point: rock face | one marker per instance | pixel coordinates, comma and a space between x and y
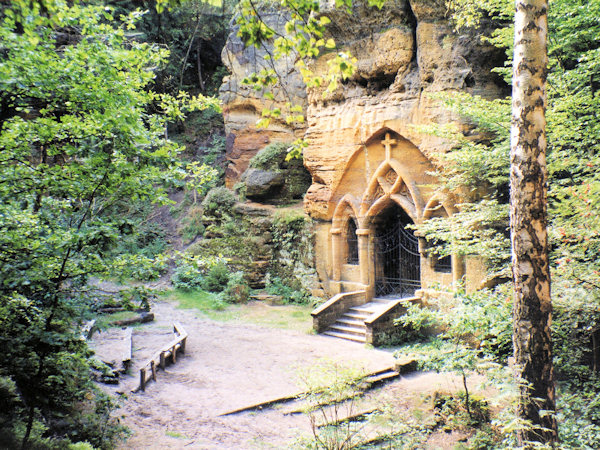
271, 179
365, 150
405, 52
242, 106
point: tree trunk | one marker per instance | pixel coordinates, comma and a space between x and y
531, 273
199, 65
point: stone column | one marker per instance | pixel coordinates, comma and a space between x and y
363, 254
336, 258
458, 269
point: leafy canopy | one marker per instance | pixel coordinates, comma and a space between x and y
80, 136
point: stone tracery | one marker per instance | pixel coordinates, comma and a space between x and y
393, 182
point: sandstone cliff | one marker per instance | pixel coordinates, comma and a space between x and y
242, 105
405, 51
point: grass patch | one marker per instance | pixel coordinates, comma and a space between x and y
175, 434
290, 317
208, 303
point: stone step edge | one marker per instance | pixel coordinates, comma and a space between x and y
347, 329
348, 337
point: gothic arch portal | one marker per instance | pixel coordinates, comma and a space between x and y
387, 175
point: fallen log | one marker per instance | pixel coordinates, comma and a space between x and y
144, 317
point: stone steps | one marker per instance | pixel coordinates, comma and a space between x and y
351, 325
358, 330
348, 337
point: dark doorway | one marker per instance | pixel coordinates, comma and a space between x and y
352, 241
397, 258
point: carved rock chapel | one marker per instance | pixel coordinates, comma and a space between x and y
372, 169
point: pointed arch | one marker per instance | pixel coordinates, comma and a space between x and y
347, 206
436, 202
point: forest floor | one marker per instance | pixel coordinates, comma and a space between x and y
240, 357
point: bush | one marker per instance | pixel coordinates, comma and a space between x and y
237, 289
187, 277
137, 297
192, 225
217, 278
276, 286
218, 201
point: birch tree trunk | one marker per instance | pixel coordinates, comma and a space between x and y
528, 186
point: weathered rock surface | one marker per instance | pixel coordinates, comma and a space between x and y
242, 106
365, 148
262, 183
405, 51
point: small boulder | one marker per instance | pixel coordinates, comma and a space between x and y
262, 183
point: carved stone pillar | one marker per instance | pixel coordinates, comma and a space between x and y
458, 269
363, 254
336, 254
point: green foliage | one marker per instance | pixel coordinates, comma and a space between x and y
187, 277
575, 318
194, 33
193, 225
81, 136
236, 290
452, 413
304, 39
216, 278
206, 302
579, 418
331, 389
276, 158
219, 201
136, 297
477, 172
200, 178
476, 337
292, 251
201, 272
276, 286
271, 157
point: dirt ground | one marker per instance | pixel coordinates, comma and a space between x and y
230, 365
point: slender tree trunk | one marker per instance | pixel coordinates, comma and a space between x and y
528, 183
199, 65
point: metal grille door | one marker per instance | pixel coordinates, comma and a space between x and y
398, 262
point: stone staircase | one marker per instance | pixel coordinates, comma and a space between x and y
351, 324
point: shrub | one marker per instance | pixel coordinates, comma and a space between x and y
192, 225
216, 278
271, 157
218, 201
137, 297
237, 289
187, 277
240, 190
276, 286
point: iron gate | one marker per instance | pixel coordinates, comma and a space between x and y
398, 262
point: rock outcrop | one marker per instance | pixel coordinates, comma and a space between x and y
242, 105
405, 51
365, 151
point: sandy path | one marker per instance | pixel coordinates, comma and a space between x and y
227, 365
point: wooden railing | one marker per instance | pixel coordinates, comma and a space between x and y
161, 357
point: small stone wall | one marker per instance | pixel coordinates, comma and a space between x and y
384, 322
328, 312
